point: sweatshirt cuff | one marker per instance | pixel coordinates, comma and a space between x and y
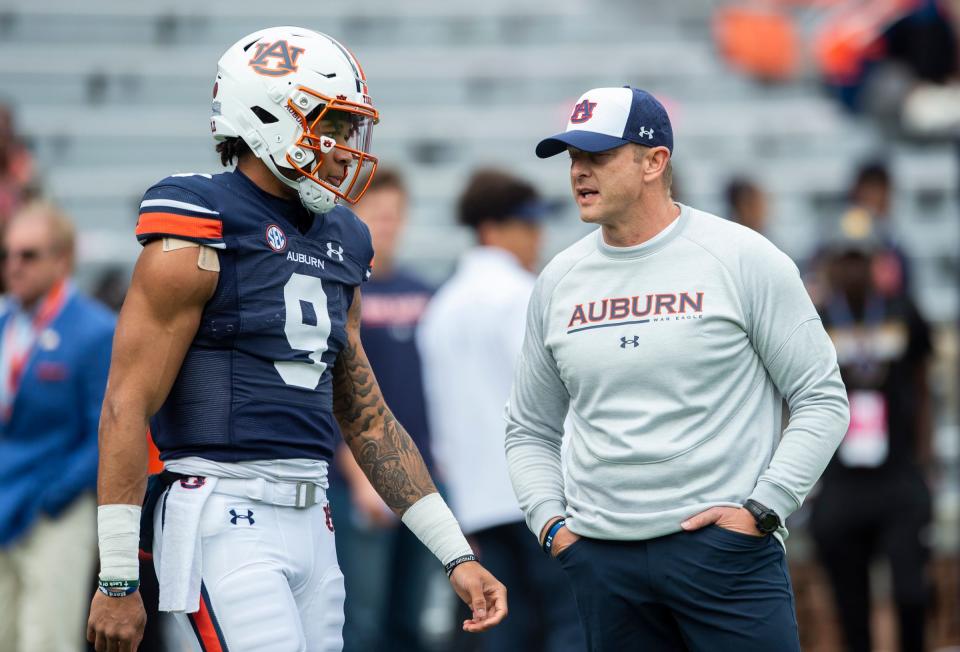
539, 515
770, 495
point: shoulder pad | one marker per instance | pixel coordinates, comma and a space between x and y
182, 206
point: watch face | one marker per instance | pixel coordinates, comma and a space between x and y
768, 523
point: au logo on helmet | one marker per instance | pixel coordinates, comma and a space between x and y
583, 111
280, 52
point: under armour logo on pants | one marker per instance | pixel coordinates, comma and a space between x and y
235, 516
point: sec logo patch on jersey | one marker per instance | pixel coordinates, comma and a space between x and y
276, 238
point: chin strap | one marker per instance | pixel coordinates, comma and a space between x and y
316, 198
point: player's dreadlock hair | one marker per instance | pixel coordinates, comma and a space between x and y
232, 148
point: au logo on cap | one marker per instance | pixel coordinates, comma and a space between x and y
583, 111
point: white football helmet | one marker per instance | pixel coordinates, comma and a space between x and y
274, 86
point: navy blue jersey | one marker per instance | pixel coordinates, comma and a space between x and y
256, 382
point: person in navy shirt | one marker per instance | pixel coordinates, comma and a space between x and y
54, 354
385, 569
239, 342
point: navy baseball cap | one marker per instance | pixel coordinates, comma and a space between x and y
604, 118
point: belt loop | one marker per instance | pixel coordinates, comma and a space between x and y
256, 488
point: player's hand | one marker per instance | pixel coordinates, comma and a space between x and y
563, 539
368, 502
737, 519
116, 624
483, 593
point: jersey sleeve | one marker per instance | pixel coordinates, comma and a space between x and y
367, 256
357, 233
180, 207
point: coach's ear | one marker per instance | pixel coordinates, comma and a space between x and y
654, 162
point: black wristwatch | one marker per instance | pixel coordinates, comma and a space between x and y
767, 519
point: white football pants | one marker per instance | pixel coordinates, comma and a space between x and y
270, 580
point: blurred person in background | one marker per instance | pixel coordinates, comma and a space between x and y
385, 568
470, 338
896, 61
16, 167
111, 286
747, 203
16, 171
869, 216
53, 370
874, 501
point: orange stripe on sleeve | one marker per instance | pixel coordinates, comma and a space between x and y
173, 224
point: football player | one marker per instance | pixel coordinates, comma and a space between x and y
239, 342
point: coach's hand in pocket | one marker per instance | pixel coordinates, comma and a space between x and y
729, 518
116, 624
563, 540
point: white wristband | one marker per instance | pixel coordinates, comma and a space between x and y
434, 524
118, 528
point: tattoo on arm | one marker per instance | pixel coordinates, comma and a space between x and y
381, 446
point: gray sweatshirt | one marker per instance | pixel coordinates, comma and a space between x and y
672, 357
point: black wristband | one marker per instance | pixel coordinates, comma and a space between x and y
456, 562
117, 588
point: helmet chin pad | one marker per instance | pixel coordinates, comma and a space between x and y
315, 197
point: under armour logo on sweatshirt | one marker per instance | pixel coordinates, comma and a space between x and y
635, 342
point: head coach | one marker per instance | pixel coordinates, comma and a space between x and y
670, 335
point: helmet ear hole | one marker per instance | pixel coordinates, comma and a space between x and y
265, 116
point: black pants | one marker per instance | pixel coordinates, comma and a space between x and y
711, 590
859, 516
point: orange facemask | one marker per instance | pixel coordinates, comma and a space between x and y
359, 171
